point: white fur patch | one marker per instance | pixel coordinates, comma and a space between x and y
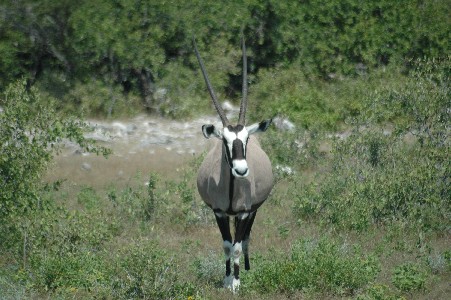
229, 135
232, 283
220, 214
240, 165
243, 135
252, 128
243, 215
228, 281
235, 285
237, 250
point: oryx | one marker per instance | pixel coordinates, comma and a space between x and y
235, 177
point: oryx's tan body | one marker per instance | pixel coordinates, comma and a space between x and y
214, 180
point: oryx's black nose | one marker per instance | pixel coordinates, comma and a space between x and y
242, 173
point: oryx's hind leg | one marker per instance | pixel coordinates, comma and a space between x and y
247, 234
224, 227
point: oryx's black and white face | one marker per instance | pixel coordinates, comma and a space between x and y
235, 140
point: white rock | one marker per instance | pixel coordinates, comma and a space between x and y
283, 124
85, 166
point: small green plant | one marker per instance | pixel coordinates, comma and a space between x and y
134, 201
88, 198
379, 292
189, 209
409, 277
209, 269
150, 203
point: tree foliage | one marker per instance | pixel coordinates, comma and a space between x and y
30, 132
136, 46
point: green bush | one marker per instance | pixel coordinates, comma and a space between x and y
68, 253
88, 198
182, 201
97, 98
394, 165
409, 277
285, 92
379, 292
145, 271
352, 37
136, 202
30, 133
62, 272
297, 149
209, 268
318, 266
63, 250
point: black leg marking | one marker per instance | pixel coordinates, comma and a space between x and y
236, 271
247, 265
240, 228
241, 224
224, 226
246, 241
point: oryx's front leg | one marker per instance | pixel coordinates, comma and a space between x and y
242, 222
224, 226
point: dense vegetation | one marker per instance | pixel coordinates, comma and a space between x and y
123, 56
362, 213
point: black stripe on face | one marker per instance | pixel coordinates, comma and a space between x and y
238, 150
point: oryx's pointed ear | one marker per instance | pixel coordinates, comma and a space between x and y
259, 127
210, 130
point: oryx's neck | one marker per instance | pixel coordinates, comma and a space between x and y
227, 178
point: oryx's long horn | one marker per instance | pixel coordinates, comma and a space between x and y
243, 106
222, 115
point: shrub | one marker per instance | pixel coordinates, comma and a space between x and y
30, 133
59, 272
62, 250
209, 268
390, 171
409, 277
320, 266
136, 202
379, 292
88, 198
98, 98
145, 271
286, 92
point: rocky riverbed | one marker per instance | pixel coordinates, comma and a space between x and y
140, 145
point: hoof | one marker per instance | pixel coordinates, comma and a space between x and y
232, 283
